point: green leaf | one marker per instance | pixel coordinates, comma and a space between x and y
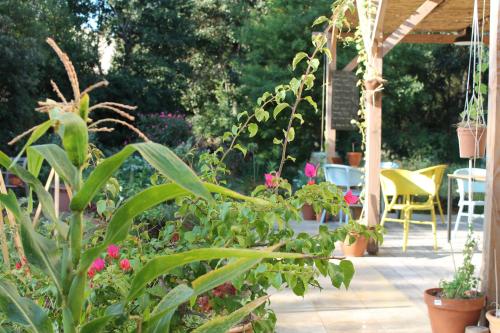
40, 251
261, 115
37, 134
310, 100
84, 107
294, 85
299, 117
22, 310
159, 321
277, 141
158, 156
224, 323
252, 129
172, 167
309, 81
119, 224
320, 20
290, 135
298, 58
348, 270
241, 148
280, 107
44, 197
241, 114
328, 53
98, 324
314, 63
234, 129
75, 138
163, 264
58, 159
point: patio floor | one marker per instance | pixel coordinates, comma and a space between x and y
386, 294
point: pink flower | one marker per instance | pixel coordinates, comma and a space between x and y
91, 273
270, 180
310, 170
19, 265
98, 264
162, 115
125, 265
114, 251
350, 198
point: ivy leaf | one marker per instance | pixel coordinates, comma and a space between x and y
291, 158
226, 136
299, 116
280, 107
298, 58
320, 20
277, 141
252, 129
310, 100
241, 148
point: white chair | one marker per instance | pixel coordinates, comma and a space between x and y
345, 177
463, 191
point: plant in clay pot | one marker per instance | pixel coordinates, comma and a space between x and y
456, 304
354, 157
357, 236
310, 171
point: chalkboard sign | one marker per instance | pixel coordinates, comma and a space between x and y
345, 100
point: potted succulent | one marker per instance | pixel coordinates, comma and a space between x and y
354, 157
456, 304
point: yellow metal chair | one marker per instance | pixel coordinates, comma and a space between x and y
436, 173
406, 184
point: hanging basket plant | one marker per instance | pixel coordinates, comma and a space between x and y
471, 130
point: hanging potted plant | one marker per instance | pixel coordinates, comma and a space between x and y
471, 130
456, 304
354, 157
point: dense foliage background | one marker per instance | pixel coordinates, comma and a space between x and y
201, 62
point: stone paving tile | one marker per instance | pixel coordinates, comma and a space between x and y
386, 293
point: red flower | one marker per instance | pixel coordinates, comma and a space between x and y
91, 273
114, 251
175, 237
311, 182
271, 180
98, 264
350, 198
204, 303
224, 289
125, 265
19, 265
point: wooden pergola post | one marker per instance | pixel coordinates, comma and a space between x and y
330, 133
492, 204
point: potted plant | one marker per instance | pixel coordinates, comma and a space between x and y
357, 236
310, 171
354, 157
493, 317
456, 304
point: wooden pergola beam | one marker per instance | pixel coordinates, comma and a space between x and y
402, 31
492, 198
330, 133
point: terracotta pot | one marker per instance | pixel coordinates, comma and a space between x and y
452, 315
354, 158
467, 138
356, 249
243, 328
15, 181
336, 160
356, 212
494, 321
308, 212
63, 199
